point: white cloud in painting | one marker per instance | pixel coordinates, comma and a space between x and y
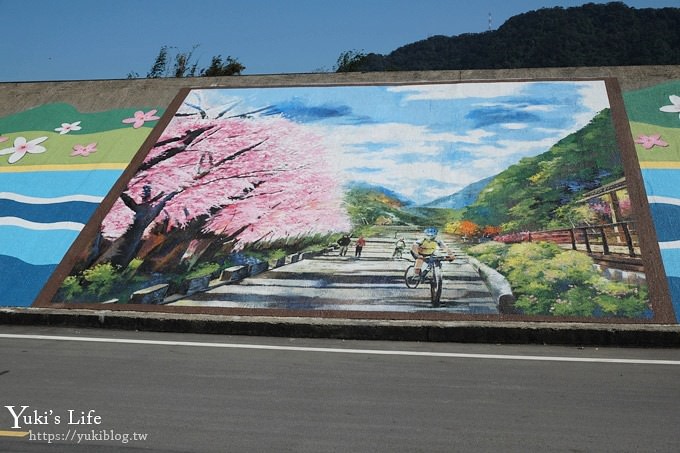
408, 134
510, 151
213, 104
460, 134
594, 95
514, 126
407, 158
419, 181
539, 108
459, 91
594, 99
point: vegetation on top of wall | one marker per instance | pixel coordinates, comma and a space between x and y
611, 34
171, 62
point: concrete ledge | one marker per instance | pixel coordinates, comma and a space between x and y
197, 284
234, 273
254, 269
151, 295
579, 334
294, 258
498, 286
276, 262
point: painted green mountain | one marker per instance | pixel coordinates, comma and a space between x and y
48, 117
527, 195
371, 205
642, 106
461, 199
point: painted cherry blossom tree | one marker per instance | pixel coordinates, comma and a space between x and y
243, 179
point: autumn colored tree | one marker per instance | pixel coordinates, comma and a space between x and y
452, 227
491, 231
468, 228
245, 179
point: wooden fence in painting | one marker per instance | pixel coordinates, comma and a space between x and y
613, 245
610, 239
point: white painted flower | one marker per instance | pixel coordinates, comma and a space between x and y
675, 105
68, 127
21, 147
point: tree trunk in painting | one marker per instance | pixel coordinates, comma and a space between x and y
125, 248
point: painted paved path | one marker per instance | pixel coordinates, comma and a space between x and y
373, 282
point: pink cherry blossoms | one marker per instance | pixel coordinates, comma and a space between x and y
252, 179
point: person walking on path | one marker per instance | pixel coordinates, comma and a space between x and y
343, 242
361, 242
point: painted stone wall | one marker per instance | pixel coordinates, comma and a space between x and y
62, 157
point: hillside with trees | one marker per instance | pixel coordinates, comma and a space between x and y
539, 192
611, 34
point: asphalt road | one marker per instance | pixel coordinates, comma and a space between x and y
202, 393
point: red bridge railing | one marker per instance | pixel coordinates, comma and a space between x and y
615, 238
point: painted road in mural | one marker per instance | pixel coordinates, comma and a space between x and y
372, 282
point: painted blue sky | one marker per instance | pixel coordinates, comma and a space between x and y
85, 39
424, 141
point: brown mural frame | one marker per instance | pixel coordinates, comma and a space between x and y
659, 293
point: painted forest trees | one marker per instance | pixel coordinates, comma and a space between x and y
236, 180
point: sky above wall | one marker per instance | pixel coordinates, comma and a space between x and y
46, 40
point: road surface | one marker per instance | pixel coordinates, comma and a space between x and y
210, 393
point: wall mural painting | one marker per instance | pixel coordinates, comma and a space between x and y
654, 115
312, 199
56, 165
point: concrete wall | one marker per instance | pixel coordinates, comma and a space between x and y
92, 97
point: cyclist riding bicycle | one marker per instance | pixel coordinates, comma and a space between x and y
399, 248
427, 246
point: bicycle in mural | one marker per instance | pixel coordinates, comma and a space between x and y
431, 273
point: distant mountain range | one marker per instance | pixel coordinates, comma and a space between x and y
397, 199
539, 192
458, 200
611, 34
461, 199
